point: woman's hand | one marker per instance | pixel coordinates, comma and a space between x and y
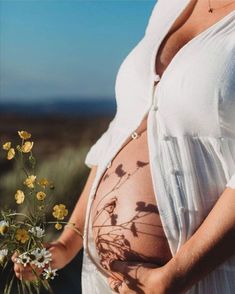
30, 272
141, 278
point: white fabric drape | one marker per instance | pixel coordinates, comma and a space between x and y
191, 134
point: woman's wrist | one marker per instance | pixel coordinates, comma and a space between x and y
71, 242
171, 278
73, 227
162, 279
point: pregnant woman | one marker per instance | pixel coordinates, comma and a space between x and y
157, 211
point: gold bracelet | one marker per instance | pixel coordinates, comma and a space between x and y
74, 228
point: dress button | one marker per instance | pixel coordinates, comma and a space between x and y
134, 135
156, 78
109, 164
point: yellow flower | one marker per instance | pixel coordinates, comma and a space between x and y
27, 147
44, 183
19, 197
58, 226
11, 154
22, 235
41, 196
60, 211
6, 146
24, 135
29, 182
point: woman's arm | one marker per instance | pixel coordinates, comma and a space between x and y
69, 238
211, 244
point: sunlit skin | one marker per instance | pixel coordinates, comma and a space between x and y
125, 219
211, 244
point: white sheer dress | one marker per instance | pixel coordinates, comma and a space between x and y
191, 134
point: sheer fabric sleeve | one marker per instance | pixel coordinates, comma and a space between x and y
96, 151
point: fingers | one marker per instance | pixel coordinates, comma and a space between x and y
14, 256
120, 267
24, 273
126, 269
129, 268
121, 287
133, 275
28, 272
115, 285
21, 272
47, 245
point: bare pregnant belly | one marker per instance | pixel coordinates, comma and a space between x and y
125, 219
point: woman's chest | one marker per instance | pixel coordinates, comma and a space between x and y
193, 21
197, 78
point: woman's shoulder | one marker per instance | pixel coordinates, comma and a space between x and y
162, 9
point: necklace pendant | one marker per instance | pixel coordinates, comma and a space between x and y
210, 10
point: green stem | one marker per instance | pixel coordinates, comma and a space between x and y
20, 214
55, 222
23, 223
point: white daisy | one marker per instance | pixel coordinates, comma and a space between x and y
49, 274
4, 226
37, 232
42, 257
3, 255
23, 259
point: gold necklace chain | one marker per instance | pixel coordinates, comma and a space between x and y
210, 9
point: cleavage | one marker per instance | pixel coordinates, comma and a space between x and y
168, 50
191, 22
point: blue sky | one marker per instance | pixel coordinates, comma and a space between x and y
58, 49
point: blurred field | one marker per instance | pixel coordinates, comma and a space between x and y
61, 144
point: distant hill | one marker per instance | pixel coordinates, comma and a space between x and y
83, 108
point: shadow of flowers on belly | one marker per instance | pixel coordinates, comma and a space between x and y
115, 235
113, 245
120, 172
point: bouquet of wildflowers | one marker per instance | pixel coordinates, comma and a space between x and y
23, 231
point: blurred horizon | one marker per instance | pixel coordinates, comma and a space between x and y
66, 50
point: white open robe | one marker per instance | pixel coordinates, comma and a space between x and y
191, 134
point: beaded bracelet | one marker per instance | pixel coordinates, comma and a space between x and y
74, 228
